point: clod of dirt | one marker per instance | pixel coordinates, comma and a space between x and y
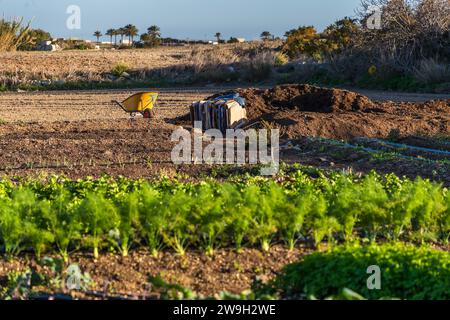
303, 97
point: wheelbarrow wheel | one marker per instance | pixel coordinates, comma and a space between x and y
148, 114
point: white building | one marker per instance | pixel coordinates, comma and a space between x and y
125, 42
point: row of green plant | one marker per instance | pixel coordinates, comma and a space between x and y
121, 214
405, 272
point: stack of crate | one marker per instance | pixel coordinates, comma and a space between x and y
222, 112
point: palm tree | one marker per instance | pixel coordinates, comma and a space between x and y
154, 31
116, 33
98, 34
266, 35
121, 32
218, 35
110, 33
131, 31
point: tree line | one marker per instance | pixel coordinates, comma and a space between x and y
153, 35
130, 31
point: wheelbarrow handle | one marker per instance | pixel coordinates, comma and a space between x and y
120, 105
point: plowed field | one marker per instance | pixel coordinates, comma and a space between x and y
81, 133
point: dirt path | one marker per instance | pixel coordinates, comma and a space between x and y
377, 95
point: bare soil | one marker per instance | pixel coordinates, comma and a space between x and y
63, 106
227, 270
303, 110
340, 156
81, 133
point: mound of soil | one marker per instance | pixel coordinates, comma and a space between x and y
303, 97
303, 110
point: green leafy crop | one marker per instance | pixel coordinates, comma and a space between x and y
65, 215
100, 218
406, 272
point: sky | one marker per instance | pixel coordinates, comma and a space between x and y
183, 19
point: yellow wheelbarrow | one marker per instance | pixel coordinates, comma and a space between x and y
142, 102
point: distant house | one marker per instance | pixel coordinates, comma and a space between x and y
125, 42
241, 40
47, 46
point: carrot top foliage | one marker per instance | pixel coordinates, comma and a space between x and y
121, 214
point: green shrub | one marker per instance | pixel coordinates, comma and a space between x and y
373, 203
82, 46
120, 68
407, 272
242, 223
281, 59
303, 41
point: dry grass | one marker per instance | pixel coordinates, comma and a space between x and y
431, 71
67, 64
210, 59
247, 62
251, 61
13, 34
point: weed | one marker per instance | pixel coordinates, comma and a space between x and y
120, 68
